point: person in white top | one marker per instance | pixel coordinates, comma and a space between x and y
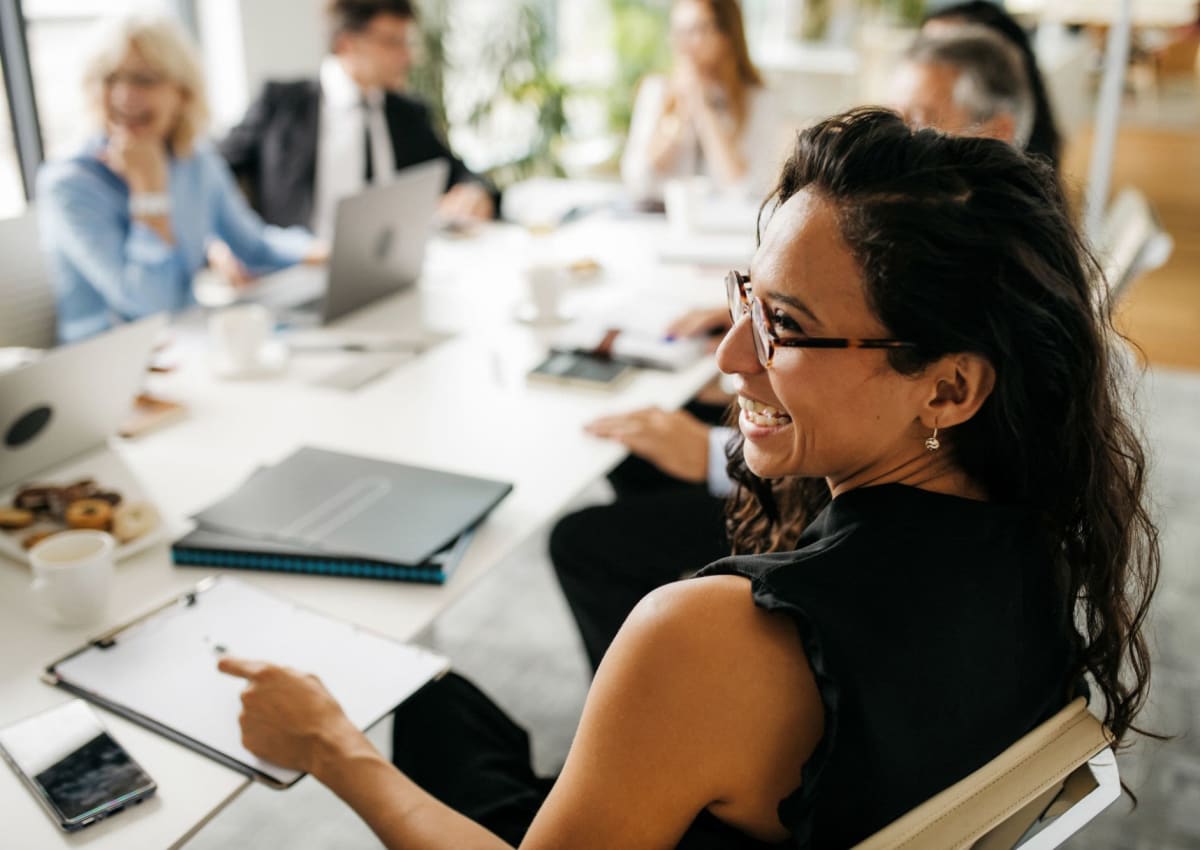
711, 116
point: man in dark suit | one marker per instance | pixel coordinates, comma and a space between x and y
304, 145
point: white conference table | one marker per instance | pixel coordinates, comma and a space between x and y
463, 405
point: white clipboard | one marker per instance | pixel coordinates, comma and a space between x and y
161, 670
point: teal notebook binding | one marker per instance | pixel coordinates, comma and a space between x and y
205, 548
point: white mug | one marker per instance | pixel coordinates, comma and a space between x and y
545, 281
239, 334
73, 575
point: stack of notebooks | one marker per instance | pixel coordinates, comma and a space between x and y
330, 513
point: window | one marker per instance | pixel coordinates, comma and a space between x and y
60, 34
12, 193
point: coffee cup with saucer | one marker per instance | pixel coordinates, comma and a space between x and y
242, 346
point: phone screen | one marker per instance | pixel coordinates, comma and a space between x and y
579, 368
73, 765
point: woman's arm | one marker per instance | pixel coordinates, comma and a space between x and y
290, 719
703, 701
645, 160
262, 247
719, 143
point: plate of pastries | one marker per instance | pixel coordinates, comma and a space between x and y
33, 511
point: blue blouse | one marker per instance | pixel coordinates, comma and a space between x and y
109, 268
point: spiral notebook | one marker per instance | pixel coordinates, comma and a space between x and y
205, 548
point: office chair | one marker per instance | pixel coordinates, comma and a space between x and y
28, 319
1130, 243
1033, 796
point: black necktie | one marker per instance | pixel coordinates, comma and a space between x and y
369, 170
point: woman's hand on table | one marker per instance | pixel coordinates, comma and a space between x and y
674, 441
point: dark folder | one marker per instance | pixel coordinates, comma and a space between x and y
328, 512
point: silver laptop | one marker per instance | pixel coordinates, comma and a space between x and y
71, 400
378, 248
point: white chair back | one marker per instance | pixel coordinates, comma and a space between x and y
28, 316
1131, 242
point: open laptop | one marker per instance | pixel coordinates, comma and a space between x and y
378, 248
73, 399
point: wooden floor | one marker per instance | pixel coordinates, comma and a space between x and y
1161, 311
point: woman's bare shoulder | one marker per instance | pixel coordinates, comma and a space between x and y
703, 701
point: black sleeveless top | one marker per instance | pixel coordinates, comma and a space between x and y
936, 636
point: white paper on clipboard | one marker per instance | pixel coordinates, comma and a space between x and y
162, 670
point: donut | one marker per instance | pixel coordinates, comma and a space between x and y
89, 513
132, 520
13, 518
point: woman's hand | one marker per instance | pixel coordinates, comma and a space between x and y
289, 718
707, 321
687, 88
676, 442
467, 201
140, 161
225, 263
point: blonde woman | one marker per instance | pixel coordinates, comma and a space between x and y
128, 220
711, 116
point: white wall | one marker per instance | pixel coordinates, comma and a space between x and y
247, 42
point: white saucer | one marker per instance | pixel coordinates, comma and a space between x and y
272, 360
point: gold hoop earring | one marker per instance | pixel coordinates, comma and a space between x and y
931, 442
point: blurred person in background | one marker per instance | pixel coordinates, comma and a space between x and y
304, 145
1044, 137
711, 115
967, 81
129, 219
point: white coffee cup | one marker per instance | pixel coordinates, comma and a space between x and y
545, 282
73, 575
683, 199
239, 334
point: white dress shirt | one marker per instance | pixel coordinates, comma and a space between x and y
341, 155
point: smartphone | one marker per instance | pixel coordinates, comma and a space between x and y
569, 367
73, 766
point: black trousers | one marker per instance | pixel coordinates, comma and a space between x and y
458, 745
659, 529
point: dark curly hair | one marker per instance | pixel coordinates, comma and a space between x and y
965, 245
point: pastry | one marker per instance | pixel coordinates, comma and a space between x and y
89, 513
584, 267
31, 540
82, 489
132, 520
34, 497
13, 518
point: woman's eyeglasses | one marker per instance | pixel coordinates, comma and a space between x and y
766, 339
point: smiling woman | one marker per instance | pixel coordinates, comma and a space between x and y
128, 220
981, 494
